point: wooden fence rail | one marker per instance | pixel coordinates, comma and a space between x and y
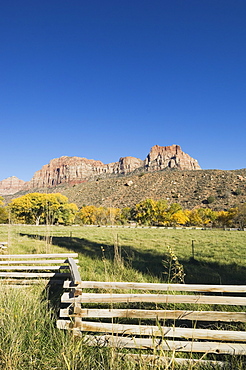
149, 316
25, 269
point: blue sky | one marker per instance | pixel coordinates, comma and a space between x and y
103, 79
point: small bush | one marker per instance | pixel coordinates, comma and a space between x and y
237, 192
210, 199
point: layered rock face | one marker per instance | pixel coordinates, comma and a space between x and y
62, 170
11, 185
74, 170
162, 157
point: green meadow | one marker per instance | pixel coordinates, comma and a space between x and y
210, 256
28, 336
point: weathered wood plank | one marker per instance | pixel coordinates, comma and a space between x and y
14, 262
166, 345
160, 344
161, 286
74, 271
30, 281
52, 255
157, 298
31, 268
157, 314
32, 275
162, 331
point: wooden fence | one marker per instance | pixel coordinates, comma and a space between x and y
25, 269
197, 319
173, 318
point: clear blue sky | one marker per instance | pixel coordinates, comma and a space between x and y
103, 79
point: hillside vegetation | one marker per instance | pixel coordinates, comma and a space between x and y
221, 189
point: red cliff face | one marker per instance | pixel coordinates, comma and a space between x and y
163, 157
63, 170
11, 185
75, 170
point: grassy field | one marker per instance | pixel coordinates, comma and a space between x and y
28, 337
218, 256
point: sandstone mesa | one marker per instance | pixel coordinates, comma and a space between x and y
74, 170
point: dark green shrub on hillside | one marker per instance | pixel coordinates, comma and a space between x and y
238, 191
210, 199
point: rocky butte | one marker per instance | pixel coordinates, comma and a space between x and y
11, 185
74, 170
162, 157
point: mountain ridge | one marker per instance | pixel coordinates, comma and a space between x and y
166, 173
76, 170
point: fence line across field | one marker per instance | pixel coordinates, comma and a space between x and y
116, 326
188, 318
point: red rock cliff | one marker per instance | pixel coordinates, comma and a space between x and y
162, 157
11, 185
74, 170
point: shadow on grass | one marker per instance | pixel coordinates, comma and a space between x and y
196, 271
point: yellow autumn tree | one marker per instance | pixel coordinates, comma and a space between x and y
3, 212
223, 218
88, 215
92, 215
38, 208
145, 212
179, 218
160, 211
195, 218
169, 217
201, 217
113, 215
207, 215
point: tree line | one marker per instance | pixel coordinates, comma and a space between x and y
54, 208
